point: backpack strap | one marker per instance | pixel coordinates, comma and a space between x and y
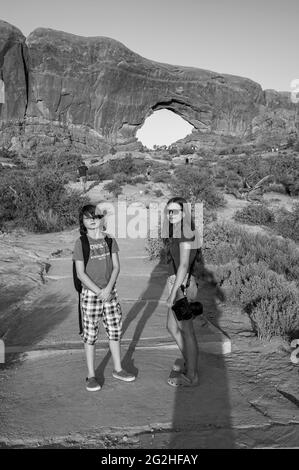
108, 240
86, 252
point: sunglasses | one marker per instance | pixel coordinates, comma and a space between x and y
92, 217
174, 211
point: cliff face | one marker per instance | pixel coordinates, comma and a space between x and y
13, 71
93, 92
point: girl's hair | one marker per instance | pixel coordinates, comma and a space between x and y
88, 210
187, 224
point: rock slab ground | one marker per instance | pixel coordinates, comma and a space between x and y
247, 398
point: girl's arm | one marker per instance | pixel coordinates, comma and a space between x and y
181, 272
85, 279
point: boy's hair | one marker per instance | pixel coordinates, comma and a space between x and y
88, 210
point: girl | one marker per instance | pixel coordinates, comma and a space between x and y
179, 240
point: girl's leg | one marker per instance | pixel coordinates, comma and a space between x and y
115, 353
174, 330
90, 358
191, 349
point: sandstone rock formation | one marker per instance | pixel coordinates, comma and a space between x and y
93, 93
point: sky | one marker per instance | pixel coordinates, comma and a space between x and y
257, 39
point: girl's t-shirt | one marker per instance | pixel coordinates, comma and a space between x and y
99, 266
174, 252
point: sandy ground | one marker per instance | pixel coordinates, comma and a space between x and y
247, 398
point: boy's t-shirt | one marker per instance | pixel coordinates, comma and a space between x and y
99, 266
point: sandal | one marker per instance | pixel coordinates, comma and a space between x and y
181, 380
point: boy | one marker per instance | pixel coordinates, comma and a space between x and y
99, 297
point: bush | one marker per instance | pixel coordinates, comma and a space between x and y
122, 178
139, 179
269, 300
39, 202
196, 185
123, 165
100, 172
158, 193
224, 242
287, 223
161, 176
155, 249
64, 162
256, 214
114, 188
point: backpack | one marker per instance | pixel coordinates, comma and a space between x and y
77, 282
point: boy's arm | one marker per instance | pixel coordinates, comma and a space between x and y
85, 279
115, 271
105, 293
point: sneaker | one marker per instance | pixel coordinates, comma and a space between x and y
123, 375
92, 385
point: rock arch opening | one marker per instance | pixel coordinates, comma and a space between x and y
163, 127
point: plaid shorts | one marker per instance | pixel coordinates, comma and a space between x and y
93, 309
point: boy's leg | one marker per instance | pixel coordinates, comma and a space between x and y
115, 353
112, 321
90, 358
91, 311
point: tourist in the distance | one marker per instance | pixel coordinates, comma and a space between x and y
82, 172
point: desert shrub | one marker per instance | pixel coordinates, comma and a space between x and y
66, 163
114, 188
270, 301
173, 151
139, 179
256, 214
123, 165
158, 193
196, 185
285, 169
296, 146
187, 150
100, 172
287, 223
122, 178
276, 188
161, 176
39, 201
155, 249
224, 242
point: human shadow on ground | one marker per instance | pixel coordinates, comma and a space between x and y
202, 415
145, 306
